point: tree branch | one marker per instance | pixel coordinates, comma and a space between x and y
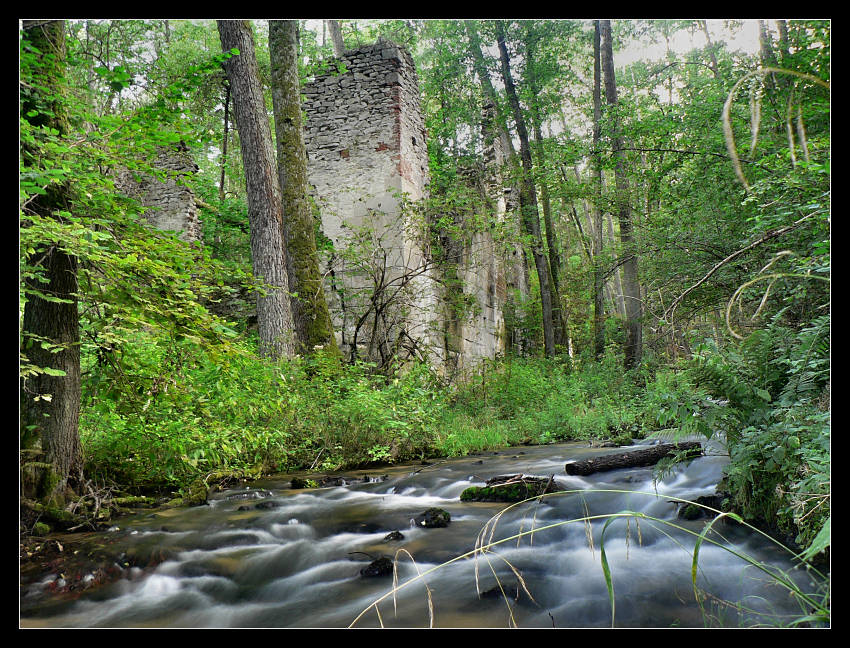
768, 236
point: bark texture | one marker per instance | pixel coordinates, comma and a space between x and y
559, 315
528, 199
335, 31
268, 254
631, 285
632, 459
598, 281
310, 315
51, 425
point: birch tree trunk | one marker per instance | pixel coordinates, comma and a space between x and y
310, 315
268, 254
631, 287
51, 423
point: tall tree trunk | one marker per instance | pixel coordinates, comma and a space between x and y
224, 138
559, 319
559, 315
619, 299
784, 47
598, 280
335, 30
528, 198
50, 424
497, 126
268, 254
631, 286
310, 314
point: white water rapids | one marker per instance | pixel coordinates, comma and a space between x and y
296, 564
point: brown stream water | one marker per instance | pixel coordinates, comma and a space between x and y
296, 562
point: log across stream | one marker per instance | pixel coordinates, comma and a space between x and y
270, 555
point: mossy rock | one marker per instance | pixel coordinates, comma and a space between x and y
194, 493
40, 529
433, 518
510, 488
692, 511
299, 482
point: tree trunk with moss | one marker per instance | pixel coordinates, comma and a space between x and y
268, 253
598, 275
310, 314
50, 404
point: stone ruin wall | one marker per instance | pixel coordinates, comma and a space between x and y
366, 145
170, 205
366, 141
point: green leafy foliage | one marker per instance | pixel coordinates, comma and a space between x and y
776, 423
172, 388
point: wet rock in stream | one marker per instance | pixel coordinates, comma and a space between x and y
383, 566
334, 481
433, 518
694, 511
510, 488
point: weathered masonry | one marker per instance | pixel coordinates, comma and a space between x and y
368, 165
170, 204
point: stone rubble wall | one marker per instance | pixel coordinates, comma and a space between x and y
366, 157
366, 145
170, 204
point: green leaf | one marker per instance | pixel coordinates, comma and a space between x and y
820, 542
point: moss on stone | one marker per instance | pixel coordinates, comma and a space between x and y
434, 518
40, 529
298, 482
511, 491
196, 493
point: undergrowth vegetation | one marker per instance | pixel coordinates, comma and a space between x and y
771, 399
214, 410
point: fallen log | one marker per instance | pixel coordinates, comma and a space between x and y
632, 459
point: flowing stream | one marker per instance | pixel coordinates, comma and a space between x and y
272, 556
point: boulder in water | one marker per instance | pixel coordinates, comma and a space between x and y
433, 518
380, 567
510, 488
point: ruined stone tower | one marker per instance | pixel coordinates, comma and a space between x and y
368, 164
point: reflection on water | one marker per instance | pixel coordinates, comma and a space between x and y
296, 561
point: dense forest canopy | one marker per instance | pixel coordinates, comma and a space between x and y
671, 214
